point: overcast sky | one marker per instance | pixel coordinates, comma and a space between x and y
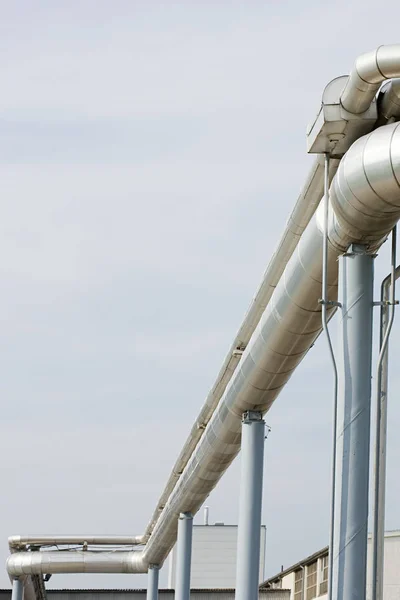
150, 153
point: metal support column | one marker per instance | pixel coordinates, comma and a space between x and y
379, 472
183, 556
17, 589
353, 424
152, 582
251, 487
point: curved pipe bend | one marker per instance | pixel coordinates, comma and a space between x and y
369, 72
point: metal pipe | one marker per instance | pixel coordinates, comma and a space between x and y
354, 415
301, 215
183, 556
288, 328
152, 582
251, 488
21, 541
369, 72
388, 103
324, 314
379, 472
17, 589
206, 514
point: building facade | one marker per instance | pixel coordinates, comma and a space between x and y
308, 579
101, 594
214, 550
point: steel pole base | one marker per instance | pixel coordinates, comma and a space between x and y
251, 487
152, 582
183, 556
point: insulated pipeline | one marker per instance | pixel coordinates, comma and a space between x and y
364, 207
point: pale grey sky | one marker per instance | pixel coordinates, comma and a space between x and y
150, 154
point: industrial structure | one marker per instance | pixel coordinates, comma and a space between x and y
214, 551
308, 578
323, 265
139, 594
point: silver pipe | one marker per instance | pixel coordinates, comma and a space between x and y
369, 72
379, 472
206, 515
324, 313
356, 280
364, 207
152, 582
301, 215
303, 211
16, 542
250, 505
388, 103
183, 556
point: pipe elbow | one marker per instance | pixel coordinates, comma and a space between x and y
370, 71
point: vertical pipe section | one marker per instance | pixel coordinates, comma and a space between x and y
379, 471
353, 425
251, 485
324, 316
152, 582
17, 589
183, 556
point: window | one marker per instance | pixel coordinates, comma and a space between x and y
311, 586
323, 586
298, 584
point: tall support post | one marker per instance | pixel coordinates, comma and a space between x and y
379, 472
17, 589
152, 582
250, 504
353, 424
183, 556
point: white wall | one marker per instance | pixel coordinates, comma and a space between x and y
214, 557
391, 574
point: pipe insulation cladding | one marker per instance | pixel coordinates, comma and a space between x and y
304, 209
369, 72
364, 207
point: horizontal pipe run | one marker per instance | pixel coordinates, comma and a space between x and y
22, 541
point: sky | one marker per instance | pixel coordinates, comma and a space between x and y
150, 154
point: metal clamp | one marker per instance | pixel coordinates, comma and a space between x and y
329, 302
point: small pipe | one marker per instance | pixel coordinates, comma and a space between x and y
16, 542
324, 314
206, 514
379, 473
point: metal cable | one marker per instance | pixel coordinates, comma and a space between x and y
324, 314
